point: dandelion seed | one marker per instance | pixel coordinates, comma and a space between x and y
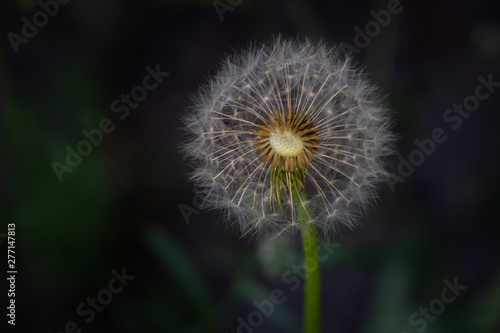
283, 117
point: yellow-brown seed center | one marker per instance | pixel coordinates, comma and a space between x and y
286, 144
289, 139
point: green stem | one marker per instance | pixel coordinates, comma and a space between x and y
312, 289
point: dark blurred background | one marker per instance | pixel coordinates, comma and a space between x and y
127, 206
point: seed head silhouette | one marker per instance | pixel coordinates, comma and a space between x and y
283, 117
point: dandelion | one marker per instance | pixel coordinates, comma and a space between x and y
289, 136
287, 125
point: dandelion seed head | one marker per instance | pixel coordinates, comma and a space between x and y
284, 111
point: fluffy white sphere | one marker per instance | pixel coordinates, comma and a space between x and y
339, 136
